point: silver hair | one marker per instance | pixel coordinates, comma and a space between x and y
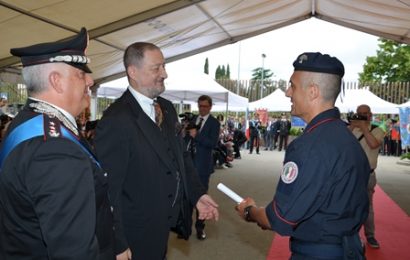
36, 78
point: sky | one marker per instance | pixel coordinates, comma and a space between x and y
281, 48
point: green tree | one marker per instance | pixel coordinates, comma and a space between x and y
223, 72
267, 86
218, 74
257, 74
206, 66
391, 64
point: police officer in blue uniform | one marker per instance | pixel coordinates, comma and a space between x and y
53, 193
321, 199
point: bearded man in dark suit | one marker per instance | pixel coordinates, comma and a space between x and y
138, 142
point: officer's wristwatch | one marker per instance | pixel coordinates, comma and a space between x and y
247, 213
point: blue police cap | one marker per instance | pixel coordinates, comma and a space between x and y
70, 51
318, 62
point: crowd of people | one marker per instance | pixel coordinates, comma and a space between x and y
71, 188
391, 144
275, 134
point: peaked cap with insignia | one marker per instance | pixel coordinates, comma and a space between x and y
70, 51
318, 62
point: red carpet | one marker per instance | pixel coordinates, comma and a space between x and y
392, 232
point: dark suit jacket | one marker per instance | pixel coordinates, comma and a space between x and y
284, 127
206, 140
143, 162
254, 127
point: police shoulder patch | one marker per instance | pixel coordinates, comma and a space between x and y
289, 172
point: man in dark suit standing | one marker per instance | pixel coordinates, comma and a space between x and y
205, 141
254, 127
284, 128
140, 145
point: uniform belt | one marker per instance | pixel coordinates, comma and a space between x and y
317, 250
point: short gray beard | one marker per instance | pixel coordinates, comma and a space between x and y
153, 92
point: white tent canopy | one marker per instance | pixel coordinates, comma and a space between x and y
355, 97
274, 102
185, 88
235, 103
347, 102
181, 28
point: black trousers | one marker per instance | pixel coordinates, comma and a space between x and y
254, 142
283, 142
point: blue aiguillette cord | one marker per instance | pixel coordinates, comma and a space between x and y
33, 128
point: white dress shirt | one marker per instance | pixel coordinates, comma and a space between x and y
203, 121
146, 103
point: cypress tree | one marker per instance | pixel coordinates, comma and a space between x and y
218, 72
223, 72
206, 66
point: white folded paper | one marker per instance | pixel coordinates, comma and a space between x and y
230, 193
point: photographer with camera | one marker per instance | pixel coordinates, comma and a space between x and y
370, 138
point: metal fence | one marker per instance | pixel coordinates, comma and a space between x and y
394, 92
15, 94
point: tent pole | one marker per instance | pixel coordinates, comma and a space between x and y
180, 107
94, 103
239, 71
227, 103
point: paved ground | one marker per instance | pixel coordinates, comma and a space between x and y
256, 176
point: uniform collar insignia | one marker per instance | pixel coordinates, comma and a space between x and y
44, 108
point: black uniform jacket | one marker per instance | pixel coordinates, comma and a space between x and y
143, 162
53, 199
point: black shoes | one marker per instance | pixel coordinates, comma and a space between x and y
200, 234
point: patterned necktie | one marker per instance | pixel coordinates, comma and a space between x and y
158, 113
201, 119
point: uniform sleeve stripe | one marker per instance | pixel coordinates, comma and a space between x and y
275, 209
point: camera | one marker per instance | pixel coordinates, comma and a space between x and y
186, 117
354, 116
187, 122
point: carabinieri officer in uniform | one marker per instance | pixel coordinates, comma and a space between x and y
53, 193
321, 198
